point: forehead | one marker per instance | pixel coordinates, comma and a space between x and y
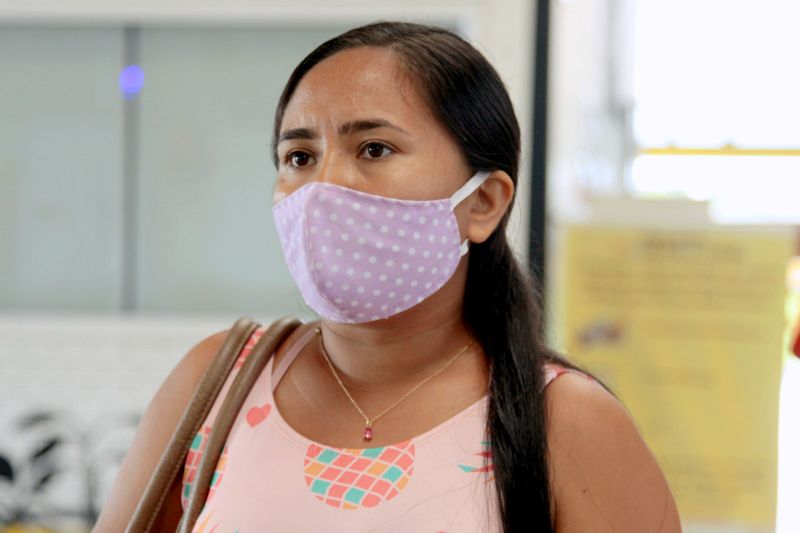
356, 83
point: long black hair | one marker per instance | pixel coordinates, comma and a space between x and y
502, 302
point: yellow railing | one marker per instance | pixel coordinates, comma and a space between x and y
725, 150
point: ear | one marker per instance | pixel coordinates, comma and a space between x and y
484, 208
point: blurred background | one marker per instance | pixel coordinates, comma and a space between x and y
659, 199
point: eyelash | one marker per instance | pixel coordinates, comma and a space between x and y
287, 159
384, 145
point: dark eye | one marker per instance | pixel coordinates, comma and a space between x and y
298, 159
375, 150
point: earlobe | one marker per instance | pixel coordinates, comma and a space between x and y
488, 205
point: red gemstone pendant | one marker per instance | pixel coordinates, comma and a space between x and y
367, 433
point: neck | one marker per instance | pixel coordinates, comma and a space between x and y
403, 348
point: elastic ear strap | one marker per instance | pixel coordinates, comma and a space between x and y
464, 248
469, 187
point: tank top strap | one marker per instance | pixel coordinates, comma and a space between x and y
290, 356
553, 370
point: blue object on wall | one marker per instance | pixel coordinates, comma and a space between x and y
131, 81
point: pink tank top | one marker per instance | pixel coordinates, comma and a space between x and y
271, 478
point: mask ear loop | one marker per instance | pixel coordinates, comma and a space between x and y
464, 248
468, 188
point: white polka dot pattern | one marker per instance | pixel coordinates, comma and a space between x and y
358, 257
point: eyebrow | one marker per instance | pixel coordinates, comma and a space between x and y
353, 126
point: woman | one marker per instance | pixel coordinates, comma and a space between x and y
424, 399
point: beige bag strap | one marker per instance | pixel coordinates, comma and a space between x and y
171, 463
234, 399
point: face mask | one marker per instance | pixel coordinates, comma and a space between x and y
358, 257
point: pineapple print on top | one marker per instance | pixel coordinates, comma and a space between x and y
355, 478
204, 525
217, 477
192, 464
477, 466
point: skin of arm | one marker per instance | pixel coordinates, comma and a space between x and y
604, 477
155, 429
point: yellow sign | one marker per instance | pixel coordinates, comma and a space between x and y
687, 327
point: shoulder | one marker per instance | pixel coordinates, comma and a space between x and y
603, 475
199, 357
153, 433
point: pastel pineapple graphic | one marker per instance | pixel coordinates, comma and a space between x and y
203, 526
218, 471
478, 465
355, 478
192, 464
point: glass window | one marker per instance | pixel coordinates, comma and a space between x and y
60, 171
206, 240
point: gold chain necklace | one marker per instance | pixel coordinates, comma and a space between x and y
368, 433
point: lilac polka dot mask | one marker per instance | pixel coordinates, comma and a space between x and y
358, 257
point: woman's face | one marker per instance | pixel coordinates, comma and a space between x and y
357, 120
